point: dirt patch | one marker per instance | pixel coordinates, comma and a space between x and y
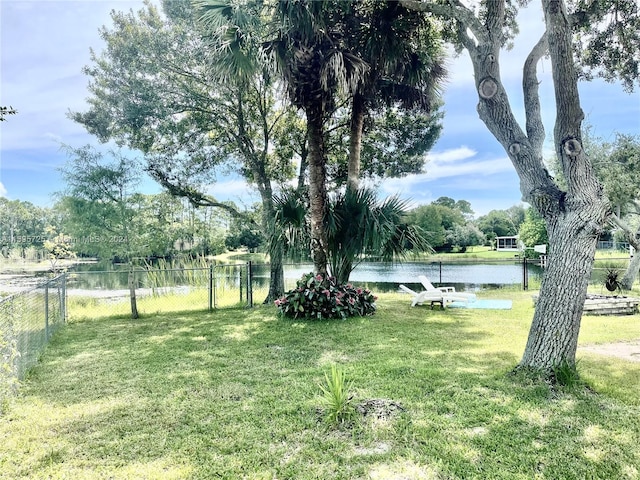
626, 350
379, 408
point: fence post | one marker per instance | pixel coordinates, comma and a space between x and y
132, 292
525, 274
249, 284
215, 289
62, 288
440, 271
46, 311
210, 289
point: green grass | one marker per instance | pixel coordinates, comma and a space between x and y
84, 308
235, 394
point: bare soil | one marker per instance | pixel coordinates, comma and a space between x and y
627, 350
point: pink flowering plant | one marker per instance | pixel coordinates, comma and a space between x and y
316, 298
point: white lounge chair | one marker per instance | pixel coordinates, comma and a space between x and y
424, 297
450, 291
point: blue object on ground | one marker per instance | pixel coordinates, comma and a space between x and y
483, 304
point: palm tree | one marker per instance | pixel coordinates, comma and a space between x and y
359, 225
405, 62
315, 47
315, 65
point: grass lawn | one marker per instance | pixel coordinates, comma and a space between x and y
235, 394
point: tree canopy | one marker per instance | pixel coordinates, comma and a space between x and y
193, 88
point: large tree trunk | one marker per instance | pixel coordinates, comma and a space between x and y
276, 254
276, 268
317, 188
631, 273
355, 141
574, 218
257, 161
276, 273
553, 337
573, 224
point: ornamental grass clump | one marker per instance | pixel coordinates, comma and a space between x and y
317, 297
337, 397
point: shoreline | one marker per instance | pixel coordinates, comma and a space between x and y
21, 267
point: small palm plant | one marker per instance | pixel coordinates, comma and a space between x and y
612, 283
337, 397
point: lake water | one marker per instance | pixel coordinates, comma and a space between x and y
375, 275
470, 276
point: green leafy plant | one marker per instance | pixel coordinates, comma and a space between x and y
317, 298
337, 397
566, 374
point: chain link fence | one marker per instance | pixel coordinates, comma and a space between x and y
106, 293
27, 321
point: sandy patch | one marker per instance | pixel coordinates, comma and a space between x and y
626, 350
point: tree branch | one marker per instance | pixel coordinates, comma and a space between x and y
629, 233
453, 10
495, 20
534, 125
195, 197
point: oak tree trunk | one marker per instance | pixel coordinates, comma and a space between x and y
574, 217
632, 272
276, 273
257, 161
633, 237
575, 223
553, 336
276, 269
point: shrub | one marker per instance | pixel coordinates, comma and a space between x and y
317, 298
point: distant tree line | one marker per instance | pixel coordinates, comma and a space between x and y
132, 224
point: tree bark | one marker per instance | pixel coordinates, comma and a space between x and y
355, 141
553, 336
631, 273
276, 268
317, 188
574, 224
132, 293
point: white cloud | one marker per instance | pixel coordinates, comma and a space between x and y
3, 191
474, 168
458, 163
54, 137
452, 155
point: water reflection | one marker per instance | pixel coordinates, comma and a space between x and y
378, 276
385, 277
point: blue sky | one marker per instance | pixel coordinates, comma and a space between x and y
45, 44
